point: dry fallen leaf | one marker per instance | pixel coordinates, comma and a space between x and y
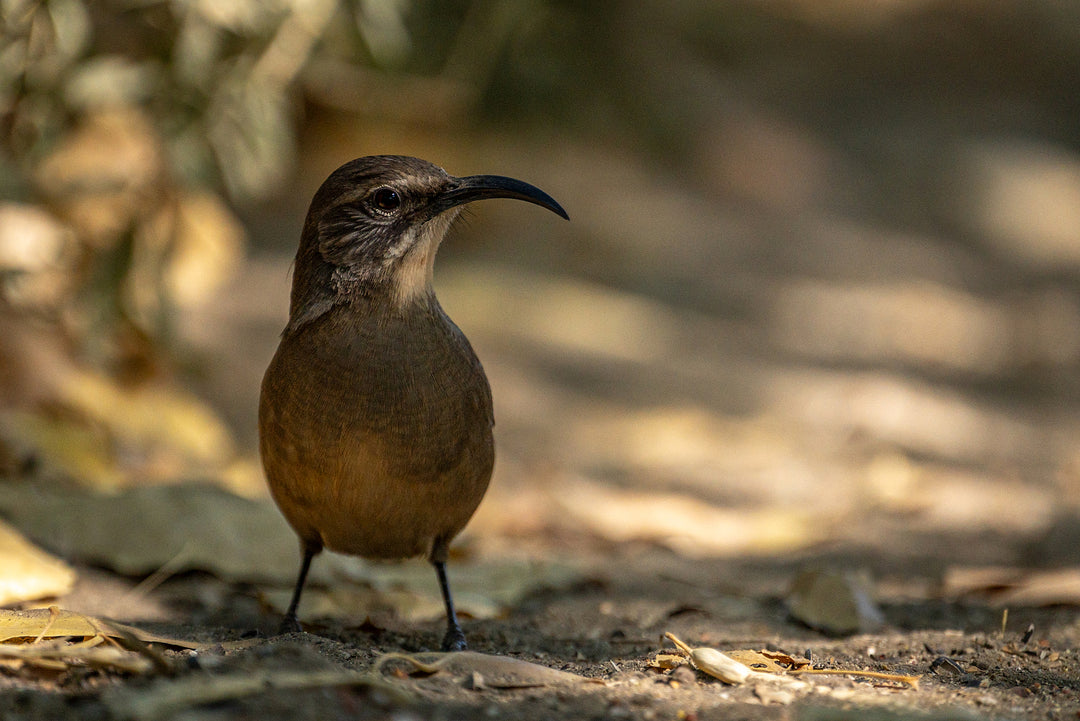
152, 418
67, 447
60, 655
501, 672
27, 572
54, 640
137, 531
713, 662
110, 436
53, 622
769, 661
35, 256
834, 602
1015, 586
665, 661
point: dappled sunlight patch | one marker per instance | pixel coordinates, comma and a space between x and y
685, 523
1024, 198
910, 414
566, 313
915, 323
942, 496
751, 460
970, 503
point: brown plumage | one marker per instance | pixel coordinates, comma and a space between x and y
375, 418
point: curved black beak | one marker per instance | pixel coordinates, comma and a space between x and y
479, 187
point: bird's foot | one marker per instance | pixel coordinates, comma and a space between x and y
454, 640
289, 624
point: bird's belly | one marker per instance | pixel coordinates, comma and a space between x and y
396, 518
367, 495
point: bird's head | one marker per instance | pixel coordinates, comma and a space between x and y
374, 227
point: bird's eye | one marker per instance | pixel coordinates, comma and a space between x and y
386, 200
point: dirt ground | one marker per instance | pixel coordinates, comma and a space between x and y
607, 627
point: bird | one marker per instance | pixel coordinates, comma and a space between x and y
375, 414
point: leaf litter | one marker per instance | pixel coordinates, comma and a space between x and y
53, 639
779, 667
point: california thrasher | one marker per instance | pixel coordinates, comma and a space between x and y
375, 418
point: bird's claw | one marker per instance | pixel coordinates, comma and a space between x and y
454, 640
289, 624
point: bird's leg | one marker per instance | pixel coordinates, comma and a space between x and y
290, 624
454, 640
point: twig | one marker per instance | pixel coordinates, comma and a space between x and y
54, 613
166, 571
678, 644
912, 681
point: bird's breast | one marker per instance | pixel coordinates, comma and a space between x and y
364, 414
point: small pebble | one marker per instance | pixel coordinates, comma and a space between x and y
945, 665
684, 675
475, 682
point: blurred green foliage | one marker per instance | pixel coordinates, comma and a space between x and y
129, 130
129, 127
220, 79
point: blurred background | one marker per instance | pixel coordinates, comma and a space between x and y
820, 287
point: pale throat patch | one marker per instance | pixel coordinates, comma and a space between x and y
412, 281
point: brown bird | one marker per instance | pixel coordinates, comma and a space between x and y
375, 418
